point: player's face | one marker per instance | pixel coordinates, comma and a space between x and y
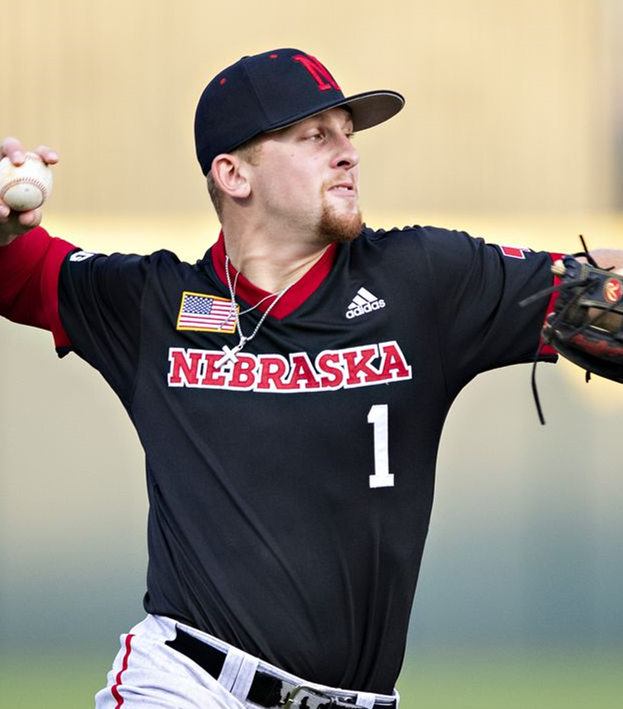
307, 177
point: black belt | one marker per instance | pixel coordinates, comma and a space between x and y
267, 690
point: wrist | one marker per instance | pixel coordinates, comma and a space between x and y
5, 240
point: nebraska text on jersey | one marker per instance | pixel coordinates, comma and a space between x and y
332, 369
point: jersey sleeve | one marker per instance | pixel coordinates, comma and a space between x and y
477, 288
100, 308
29, 271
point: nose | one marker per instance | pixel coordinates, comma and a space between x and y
345, 155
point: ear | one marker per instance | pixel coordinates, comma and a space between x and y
230, 175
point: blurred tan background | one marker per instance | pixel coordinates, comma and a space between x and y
510, 104
512, 130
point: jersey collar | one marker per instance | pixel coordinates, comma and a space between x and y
295, 296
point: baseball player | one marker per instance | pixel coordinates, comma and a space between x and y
289, 390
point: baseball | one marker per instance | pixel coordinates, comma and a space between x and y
26, 186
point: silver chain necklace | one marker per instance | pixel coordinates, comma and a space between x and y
230, 354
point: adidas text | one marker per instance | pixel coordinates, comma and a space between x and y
363, 309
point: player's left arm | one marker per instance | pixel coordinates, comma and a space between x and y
609, 258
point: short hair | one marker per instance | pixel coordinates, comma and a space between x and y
249, 152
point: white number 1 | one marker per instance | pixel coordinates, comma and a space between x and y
378, 416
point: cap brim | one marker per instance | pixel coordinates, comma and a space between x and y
367, 109
373, 107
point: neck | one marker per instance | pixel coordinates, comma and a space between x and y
270, 261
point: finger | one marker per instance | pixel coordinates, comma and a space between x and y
18, 223
29, 219
14, 150
47, 154
22, 221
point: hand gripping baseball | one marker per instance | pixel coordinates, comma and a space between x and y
25, 181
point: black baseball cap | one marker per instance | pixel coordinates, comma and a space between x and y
272, 90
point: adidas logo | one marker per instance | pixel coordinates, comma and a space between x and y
364, 302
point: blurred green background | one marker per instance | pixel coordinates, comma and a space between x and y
512, 131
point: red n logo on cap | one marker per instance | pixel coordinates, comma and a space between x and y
320, 73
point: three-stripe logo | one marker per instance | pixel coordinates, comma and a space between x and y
363, 302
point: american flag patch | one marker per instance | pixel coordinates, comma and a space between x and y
206, 313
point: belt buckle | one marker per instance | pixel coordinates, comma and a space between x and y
325, 700
305, 689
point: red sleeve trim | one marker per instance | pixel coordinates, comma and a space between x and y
29, 271
548, 349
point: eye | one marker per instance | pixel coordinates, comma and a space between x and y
315, 136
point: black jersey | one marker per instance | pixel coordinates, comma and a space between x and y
290, 491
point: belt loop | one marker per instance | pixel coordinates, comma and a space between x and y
366, 700
246, 673
231, 666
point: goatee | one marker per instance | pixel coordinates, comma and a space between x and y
334, 228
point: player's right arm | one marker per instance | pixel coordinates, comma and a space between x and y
14, 224
30, 259
91, 302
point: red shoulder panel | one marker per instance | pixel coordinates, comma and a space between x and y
29, 271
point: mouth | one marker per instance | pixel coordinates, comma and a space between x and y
344, 189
